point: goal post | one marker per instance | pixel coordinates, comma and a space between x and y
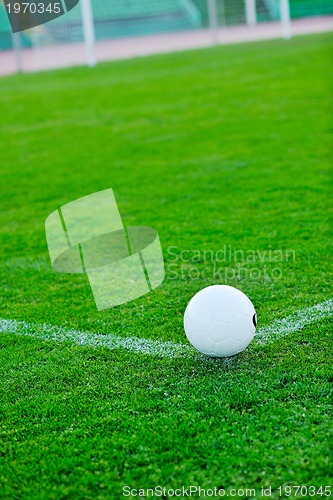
254, 12
213, 20
88, 32
250, 12
82, 29
285, 19
17, 52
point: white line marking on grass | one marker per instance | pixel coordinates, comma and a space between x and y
58, 334
295, 322
279, 328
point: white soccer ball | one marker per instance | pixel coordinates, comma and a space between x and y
220, 321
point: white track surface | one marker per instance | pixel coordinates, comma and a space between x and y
60, 56
279, 328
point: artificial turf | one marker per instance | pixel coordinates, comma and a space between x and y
225, 146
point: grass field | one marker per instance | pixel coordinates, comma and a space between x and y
226, 146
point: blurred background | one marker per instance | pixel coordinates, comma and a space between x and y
97, 30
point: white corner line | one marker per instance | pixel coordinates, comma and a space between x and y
295, 322
279, 328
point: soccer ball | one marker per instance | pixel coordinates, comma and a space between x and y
220, 321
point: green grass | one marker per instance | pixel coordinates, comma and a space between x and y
230, 145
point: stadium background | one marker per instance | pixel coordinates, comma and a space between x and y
125, 18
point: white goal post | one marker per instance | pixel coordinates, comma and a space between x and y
213, 8
285, 19
88, 31
250, 12
101, 30
280, 8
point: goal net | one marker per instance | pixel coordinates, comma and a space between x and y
119, 19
